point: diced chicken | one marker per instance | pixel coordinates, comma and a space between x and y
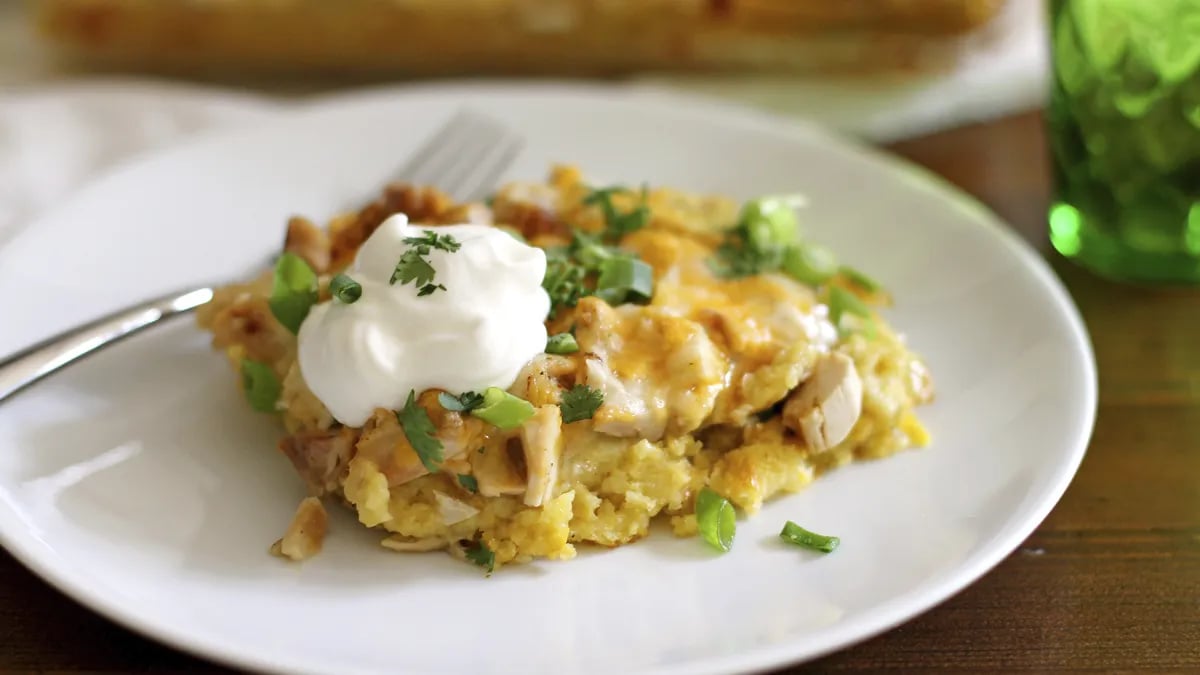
320, 457
542, 380
541, 436
496, 472
628, 410
825, 407
306, 533
247, 322
659, 373
309, 242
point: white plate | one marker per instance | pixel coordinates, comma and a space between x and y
141, 485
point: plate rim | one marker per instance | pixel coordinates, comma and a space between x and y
882, 617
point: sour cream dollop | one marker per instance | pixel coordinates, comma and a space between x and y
477, 333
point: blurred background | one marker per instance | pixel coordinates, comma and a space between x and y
917, 62
85, 83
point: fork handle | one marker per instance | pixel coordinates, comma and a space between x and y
30, 365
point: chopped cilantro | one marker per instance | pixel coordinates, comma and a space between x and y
419, 431
414, 268
481, 555
563, 281
464, 402
468, 482
618, 224
580, 403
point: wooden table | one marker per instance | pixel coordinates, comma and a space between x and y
1110, 581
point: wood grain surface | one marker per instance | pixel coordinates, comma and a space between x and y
1110, 581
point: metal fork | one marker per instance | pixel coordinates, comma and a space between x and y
464, 158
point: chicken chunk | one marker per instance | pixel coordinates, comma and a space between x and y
825, 407
306, 534
541, 436
320, 457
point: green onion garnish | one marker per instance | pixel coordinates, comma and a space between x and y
502, 409
563, 343
294, 291
345, 289
794, 534
623, 278
261, 386
809, 264
861, 280
842, 302
769, 221
716, 519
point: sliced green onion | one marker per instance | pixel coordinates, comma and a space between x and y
861, 280
563, 343
716, 519
624, 278
345, 289
812, 265
794, 534
294, 291
769, 221
502, 409
261, 386
842, 302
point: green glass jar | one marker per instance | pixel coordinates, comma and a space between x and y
1124, 132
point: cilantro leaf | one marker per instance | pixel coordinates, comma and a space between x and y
414, 268
432, 240
580, 403
464, 402
563, 282
419, 431
468, 482
618, 224
483, 556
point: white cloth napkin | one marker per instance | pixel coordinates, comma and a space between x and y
55, 137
